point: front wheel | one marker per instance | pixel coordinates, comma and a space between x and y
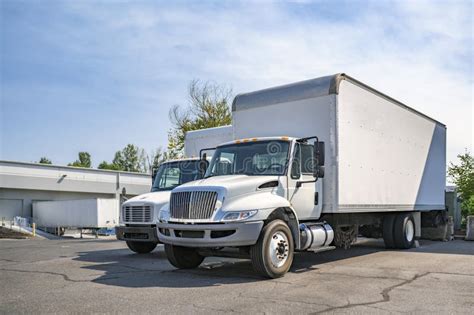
272, 255
141, 247
183, 257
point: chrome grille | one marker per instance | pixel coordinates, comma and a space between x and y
134, 214
193, 204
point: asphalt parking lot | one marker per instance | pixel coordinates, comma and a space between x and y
103, 276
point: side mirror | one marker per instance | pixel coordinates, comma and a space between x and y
320, 171
203, 164
154, 170
318, 153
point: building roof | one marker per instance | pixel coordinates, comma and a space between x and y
34, 176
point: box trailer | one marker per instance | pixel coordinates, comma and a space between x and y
315, 164
196, 140
84, 213
381, 155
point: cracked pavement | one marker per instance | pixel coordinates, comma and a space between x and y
103, 276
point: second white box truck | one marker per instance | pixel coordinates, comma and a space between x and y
138, 215
316, 163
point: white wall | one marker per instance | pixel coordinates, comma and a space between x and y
389, 157
26, 197
23, 183
10, 208
77, 213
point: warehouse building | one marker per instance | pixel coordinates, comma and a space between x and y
22, 184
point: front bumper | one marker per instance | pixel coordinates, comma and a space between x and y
210, 235
137, 233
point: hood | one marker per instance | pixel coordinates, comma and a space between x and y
231, 185
157, 197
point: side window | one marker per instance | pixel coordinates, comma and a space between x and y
170, 177
307, 159
296, 164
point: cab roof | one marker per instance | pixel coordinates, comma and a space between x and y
257, 139
180, 160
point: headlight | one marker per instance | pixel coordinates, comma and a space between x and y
164, 215
239, 215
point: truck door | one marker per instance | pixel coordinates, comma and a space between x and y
305, 199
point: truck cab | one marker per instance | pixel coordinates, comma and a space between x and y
138, 215
248, 183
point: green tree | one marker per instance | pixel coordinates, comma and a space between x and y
131, 159
467, 206
158, 156
45, 160
462, 175
108, 166
209, 106
83, 161
155, 158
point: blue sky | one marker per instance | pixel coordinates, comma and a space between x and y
96, 75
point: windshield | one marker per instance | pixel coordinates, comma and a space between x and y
170, 175
250, 158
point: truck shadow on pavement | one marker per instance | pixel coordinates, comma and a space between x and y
120, 267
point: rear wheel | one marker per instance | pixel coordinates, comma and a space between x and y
387, 230
404, 231
183, 257
272, 255
141, 247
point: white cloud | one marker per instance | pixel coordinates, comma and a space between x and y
413, 51
418, 52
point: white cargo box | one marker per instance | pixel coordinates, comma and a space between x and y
381, 155
196, 140
86, 213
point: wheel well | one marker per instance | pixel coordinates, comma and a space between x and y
287, 215
434, 218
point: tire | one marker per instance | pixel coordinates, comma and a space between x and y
275, 237
183, 257
404, 231
387, 230
141, 247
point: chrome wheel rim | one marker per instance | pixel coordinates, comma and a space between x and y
409, 231
278, 249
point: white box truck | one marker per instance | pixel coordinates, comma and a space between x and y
138, 215
317, 162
